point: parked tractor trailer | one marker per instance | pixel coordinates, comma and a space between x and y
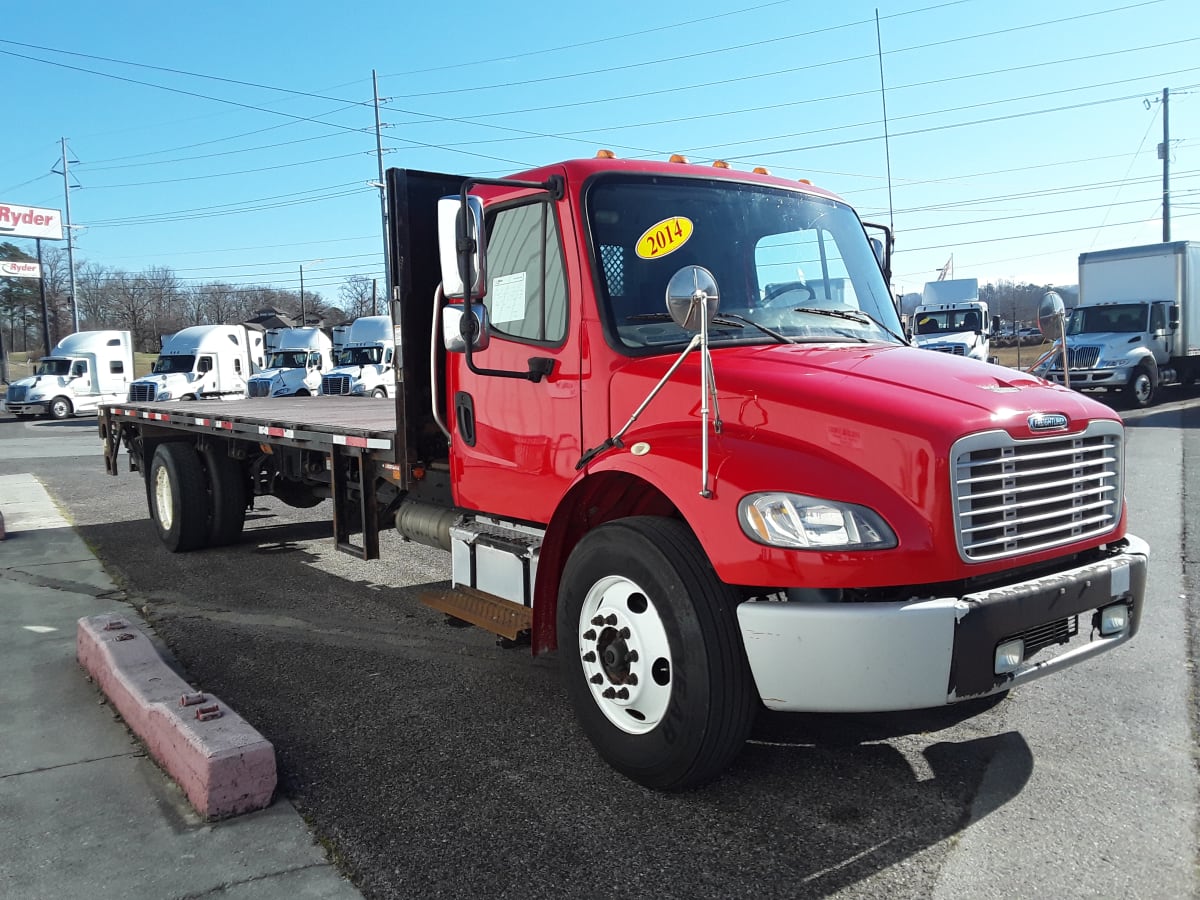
708, 497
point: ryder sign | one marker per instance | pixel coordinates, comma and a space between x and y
30, 222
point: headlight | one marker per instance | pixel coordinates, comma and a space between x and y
1115, 363
811, 523
358, 389
164, 395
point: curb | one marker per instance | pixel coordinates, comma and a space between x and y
223, 765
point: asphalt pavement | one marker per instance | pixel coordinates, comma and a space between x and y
84, 812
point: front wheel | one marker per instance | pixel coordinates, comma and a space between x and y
180, 506
60, 408
1141, 387
379, 392
652, 658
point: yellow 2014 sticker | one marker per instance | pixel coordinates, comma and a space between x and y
664, 237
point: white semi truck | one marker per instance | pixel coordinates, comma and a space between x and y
295, 366
83, 370
952, 319
1137, 325
365, 364
203, 362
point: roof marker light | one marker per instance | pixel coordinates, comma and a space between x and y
678, 158
761, 170
605, 154
804, 181
720, 164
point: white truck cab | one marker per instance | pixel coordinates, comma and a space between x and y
365, 365
952, 319
84, 370
295, 365
203, 362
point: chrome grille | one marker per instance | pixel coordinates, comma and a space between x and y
1013, 497
1083, 357
260, 388
16, 394
141, 393
335, 384
956, 349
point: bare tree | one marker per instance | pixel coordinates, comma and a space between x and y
356, 294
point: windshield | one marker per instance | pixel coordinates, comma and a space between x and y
1129, 318
359, 356
167, 364
287, 359
942, 321
798, 265
53, 367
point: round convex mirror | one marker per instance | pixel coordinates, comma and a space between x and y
1050, 315
691, 294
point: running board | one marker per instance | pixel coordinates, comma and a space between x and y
487, 611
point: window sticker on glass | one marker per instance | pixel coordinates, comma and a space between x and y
508, 298
664, 237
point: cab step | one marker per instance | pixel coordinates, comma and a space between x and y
487, 611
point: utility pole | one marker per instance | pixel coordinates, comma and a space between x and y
382, 185
70, 235
42, 291
374, 292
301, 295
1164, 153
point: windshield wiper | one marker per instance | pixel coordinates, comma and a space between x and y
731, 320
861, 316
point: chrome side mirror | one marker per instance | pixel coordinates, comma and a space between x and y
457, 323
692, 297
1051, 315
461, 247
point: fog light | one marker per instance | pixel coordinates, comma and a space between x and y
1114, 619
1009, 655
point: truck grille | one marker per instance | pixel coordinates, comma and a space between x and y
1082, 357
258, 388
141, 393
956, 349
17, 394
335, 384
1013, 497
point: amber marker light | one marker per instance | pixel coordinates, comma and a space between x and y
605, 154
720, 164
678, 158
761, 170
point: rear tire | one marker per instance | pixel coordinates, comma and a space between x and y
379, 392
652, 658
227, 490
60, 408
180, 506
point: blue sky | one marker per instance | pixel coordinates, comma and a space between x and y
236, 141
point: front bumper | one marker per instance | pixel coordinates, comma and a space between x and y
875, 657
26, 408
1093, 378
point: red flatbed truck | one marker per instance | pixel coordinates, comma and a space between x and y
663, 419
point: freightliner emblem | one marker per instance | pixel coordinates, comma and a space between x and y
1047, 421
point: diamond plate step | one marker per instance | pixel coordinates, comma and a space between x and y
487, 611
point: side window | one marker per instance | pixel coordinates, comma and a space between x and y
1158, 317
205, 364
116, 367
237, 366
527, 292
79, 368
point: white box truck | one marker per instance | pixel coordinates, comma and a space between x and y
203, 362
1137, 326
952, 319
295, 365
365, 365
84, 370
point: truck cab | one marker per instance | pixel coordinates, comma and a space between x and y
952, 319
203, 362
295, 365
83, 370
364, 366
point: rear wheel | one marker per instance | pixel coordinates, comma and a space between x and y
180, 506
652, 658
379, 392
227, 489
60, 408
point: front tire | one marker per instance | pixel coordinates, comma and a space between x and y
652, 657
60, 408
179, 502
379, 392
1141, 387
